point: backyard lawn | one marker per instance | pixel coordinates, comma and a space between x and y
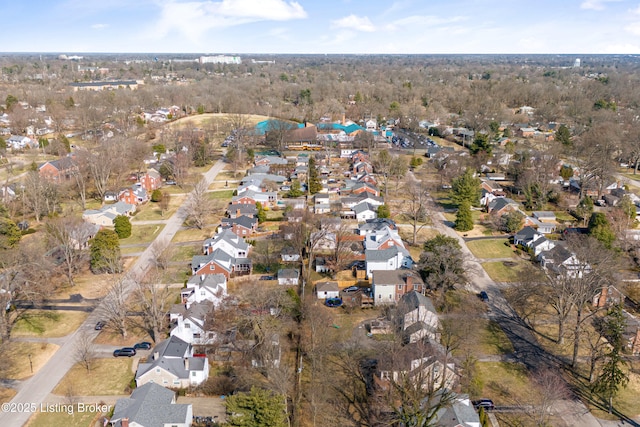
490, 248
151, 211
220, 194
62, 418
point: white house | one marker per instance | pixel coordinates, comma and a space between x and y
229, 242
188, 324
418, 318
326, 290
204, 287
364, 211
392, 258
288, 276
172, 364
151, 405
105, 215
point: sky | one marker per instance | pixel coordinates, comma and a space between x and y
322, 26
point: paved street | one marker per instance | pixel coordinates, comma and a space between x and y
36, 389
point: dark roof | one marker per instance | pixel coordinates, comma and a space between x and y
526, 234
413, 300
288, 273
242, 220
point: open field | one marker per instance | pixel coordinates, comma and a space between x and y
106, 377
48, 323
490, 248
6, 394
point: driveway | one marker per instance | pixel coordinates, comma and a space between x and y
36, 389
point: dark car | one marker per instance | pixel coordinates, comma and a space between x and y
142, 346
484, 296
100, 325
125, 351
487, 404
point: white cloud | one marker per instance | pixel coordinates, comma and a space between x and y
194, 18
624, 48
423, 21
635, 11
99, 26
353, 22
596, 4
633, 28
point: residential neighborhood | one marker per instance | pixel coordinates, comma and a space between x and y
392, 255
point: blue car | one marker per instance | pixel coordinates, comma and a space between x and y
142, 346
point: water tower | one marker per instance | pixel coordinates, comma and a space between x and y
576, 63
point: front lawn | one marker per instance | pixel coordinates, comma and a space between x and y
220, 194
142, 234
490, 248
107, 377
63, 418
26, 358
48, 323
505, 271
151, 211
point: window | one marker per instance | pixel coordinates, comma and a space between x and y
193, 373
202, 293
176, 382
416, 287
165, 382
187, 325
157, 370
400, 287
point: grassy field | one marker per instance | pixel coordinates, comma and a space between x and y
220, 195
48, 323
6, 394
107, 377
501, 271
62, 418
142, 234
21, 366
151, 211
193, 234
490, 248
504, 383
488, 340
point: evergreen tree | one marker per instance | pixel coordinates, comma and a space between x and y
9, 233
466, 188
105, 252
613, 377
258, 408
481, 144
295, 190
314, 182
122, 226
600, 228
563, 135
384, 211
156, 195
261, 215
464, 220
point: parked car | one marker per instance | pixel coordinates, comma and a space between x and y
170, 182
487, 404
350, 289
125, 351
100, 325
484, 296
142, 345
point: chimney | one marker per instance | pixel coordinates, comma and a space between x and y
124, 422
344, 119
186, 363
409, 281
156, 355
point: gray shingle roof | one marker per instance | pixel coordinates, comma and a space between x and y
150, 405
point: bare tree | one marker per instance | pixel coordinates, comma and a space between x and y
163, 252
552, 388
152, 299
198, 205
85, 353
114, 305
69, 236
415, 208
165, 201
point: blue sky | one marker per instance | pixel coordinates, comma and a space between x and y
322, 26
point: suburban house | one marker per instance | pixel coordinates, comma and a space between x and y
266, 198
460, 413
417, 318
240, 226
364, 211
543, 227
388, 286
502, 205
105, 215
289, 254
326, 290
562, 261
188, 324
236, 210
134, 195
151, 180
393, 258
206, 287
417, 362
58, 170
151, 405
288, 276
172, 364
229, 242
321, 204
219, 261
17, 142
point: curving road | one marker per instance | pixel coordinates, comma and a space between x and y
36, 390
